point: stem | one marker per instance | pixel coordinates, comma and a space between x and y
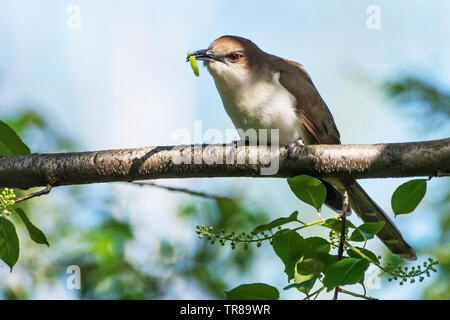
364, 256
391, 272
299, 221
356, 294
343, 216
316, 222
237, 239
184, 190
35, 194
344, 219
318, 214
315, 293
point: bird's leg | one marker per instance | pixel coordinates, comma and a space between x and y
238, 143
298, 143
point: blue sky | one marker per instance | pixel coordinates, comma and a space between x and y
121, 80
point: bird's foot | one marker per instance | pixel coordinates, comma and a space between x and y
298, 143
237, 143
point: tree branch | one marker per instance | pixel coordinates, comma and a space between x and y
430, 158
182, 190
47, 190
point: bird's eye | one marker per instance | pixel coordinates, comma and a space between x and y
233, 57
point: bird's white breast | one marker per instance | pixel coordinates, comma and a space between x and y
261, 104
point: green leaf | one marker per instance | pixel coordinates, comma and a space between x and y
372, 227
307, 271
365, 252
309, 190
9, 242
366, 231
326, 259
408, 196
276, 223
345, 271
314, 261
315, 245
289, 246
336, 224
35, 233
10, 142
304, 284
253, 291
309, 266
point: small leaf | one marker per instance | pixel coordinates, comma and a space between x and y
9, 242
336, 224
309, 190
408, 196
330, 222
10, 142
276, 223
360, 236
372, 227
253, 291
35, 233
345, 271
366, 231
288, 245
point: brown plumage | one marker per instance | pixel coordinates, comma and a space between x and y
314, 118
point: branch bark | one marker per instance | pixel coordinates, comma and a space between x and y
429, 158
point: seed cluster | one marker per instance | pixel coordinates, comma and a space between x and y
6, 201
335, 238
223, 237
401, 273
405, 273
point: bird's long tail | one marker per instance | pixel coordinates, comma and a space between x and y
369, 211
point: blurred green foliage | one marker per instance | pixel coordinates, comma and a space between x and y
424, 101
431, 104
40, 133
99, 247
210, 264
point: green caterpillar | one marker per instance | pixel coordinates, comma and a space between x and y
193, 62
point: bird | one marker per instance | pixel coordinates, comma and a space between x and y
263, 91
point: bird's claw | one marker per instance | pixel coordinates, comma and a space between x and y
298, 143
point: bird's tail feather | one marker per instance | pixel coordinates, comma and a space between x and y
369, 211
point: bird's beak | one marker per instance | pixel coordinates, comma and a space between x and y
205, 55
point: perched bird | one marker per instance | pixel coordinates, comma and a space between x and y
263, 91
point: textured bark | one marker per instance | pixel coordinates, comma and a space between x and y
429, 158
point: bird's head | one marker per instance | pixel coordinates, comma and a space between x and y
231, 60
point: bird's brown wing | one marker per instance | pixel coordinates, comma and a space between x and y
313, 114
311, 109
319, 123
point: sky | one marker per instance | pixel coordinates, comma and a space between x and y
120, 80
